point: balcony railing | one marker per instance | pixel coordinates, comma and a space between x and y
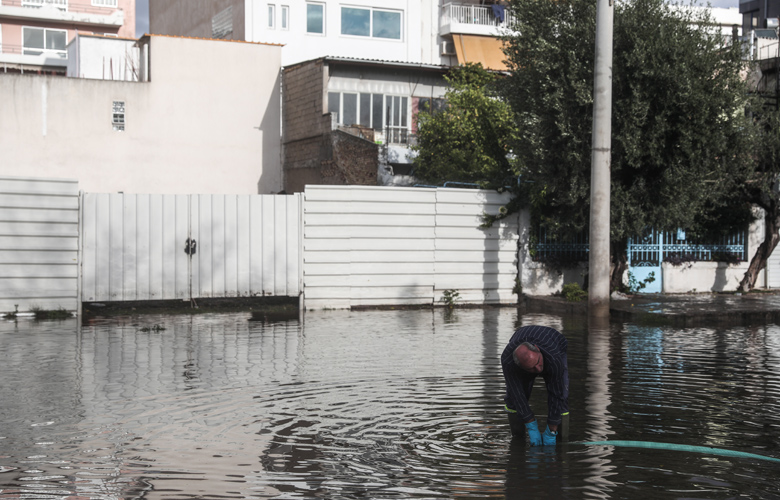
102, 7
476, 15
59, 4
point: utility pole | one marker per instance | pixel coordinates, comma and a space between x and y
601, 152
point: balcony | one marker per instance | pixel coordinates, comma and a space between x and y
26, 59
59, 12
466, 19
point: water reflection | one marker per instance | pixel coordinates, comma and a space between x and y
374, 404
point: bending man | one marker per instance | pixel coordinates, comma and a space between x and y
532, 351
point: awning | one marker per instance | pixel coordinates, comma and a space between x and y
480, 49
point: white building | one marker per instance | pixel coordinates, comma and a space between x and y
412, 31
175, 129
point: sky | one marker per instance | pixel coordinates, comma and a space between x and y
141, 17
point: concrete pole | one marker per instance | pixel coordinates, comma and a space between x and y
598, 287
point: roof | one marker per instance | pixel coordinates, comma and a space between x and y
375, 63
149, 35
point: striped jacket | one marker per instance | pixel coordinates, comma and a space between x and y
555, 372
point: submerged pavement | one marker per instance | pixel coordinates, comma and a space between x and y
683, 310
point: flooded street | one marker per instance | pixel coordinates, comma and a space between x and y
376, 404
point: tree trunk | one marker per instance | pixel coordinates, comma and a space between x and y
619, 259
765, 249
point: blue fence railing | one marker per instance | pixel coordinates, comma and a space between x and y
653, 248
731, 248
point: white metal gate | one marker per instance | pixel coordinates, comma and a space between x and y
38, 244
156, 247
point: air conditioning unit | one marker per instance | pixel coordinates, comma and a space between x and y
447, 48
772, 22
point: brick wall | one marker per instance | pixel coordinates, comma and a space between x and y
354, 159
306, 131
312, 153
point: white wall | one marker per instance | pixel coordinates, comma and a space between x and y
418, 42
388, 245
39, 228
714, 276
103, 58
207, 122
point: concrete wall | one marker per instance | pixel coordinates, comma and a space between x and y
714, 276
207, 122
104, 58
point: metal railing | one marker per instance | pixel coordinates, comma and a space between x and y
102, 7
18, 49
399, 135
655, 247
59, 4
732, 248
549, 249
478, 15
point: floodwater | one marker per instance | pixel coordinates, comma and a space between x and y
376, 405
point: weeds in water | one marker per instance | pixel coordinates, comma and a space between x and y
59, 313
572, 292
154, 328
449, 297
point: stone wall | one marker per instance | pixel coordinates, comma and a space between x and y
354, 160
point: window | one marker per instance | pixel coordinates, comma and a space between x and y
271, 16
371, 23
118, 116
377, 111
386, 25
104, 3
39, 40
315, 18
355, 21
285, 23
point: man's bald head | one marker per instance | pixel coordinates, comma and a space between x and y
528, 358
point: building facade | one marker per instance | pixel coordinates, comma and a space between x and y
34, 34
175, 130
434, 32
351, 121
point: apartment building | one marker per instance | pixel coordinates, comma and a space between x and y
355, 74
34, 34
412, 31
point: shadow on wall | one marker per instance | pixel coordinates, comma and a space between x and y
721, 278
270, 180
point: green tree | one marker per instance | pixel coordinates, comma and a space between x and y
681, 139
468, 140
761, 190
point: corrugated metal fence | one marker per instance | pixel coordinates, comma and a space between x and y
154, 247
343, 246
367, 246
39, 230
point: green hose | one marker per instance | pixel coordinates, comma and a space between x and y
680, 447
